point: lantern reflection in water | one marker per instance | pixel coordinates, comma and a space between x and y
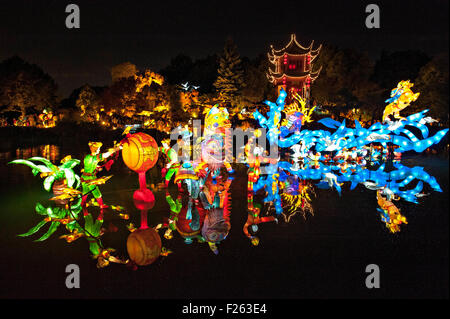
48, 151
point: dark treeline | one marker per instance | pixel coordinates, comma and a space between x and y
350, 85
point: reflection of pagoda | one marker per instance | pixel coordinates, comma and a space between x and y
293, 68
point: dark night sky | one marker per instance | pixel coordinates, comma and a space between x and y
149, 33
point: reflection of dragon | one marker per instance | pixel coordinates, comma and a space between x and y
401, 97
390, 214
296, 198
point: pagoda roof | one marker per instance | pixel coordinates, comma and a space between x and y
273, 76
294, 48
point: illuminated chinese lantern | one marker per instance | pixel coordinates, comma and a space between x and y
140, 152
144, 246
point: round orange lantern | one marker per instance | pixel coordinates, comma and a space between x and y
144, 246
140, 152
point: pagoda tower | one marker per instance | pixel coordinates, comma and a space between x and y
292, 68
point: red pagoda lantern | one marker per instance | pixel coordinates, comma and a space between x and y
300, 71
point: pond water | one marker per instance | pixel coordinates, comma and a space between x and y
322, 254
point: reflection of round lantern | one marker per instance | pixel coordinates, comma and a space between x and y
140, 152
144, 246
59, 186
58, 189
144, 200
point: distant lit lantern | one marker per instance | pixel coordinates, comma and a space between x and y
144, 246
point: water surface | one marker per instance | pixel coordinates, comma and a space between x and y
320, 256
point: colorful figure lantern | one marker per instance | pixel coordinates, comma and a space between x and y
173, 163
401, 97
91, 167
296, 115
272, 122
140, 153
217, 143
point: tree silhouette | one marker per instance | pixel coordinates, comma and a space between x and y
432, 83
24, 86
230, 80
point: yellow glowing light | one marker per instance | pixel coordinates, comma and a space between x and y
161, 108
297, 203
145, 113
402, 97
299, 105
395, 218
255, 241
147, 79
